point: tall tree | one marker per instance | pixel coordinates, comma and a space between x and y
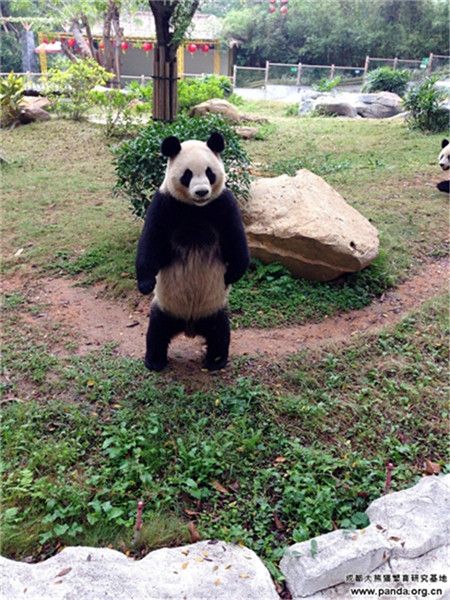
172, 19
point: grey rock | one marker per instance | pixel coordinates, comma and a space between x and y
206, 570
338, 554
334, 105
29, 114
434, 563
379, 105
415, 520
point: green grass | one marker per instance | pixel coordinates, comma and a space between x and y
300, 449
59, 207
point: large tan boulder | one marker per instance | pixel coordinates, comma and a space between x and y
218, 106
304, 224
33, 101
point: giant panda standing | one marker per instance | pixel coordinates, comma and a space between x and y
192, 247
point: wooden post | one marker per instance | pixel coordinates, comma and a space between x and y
42, 56
299, 74
366, 65
430, 62
180, 60
217, 58
394, 66
234, 75
266, 74
164, 94
333, 69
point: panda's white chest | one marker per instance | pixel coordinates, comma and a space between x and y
192, 286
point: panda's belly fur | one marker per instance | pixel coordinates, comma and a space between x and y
192, 286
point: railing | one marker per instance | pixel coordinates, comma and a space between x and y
305, 74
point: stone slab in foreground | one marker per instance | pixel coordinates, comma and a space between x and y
404, 525
206, 570
304, 224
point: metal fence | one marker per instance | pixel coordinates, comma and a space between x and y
306, 75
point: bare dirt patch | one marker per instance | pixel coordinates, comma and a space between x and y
94, 321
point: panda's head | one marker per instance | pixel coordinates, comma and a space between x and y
444, 156
195, 172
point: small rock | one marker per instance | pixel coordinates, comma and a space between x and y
29, 114
246, 133
217, 106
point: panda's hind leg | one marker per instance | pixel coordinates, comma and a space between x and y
162, 328
216, 331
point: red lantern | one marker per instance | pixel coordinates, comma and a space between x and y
147, 46
101, 45
62, 39
205, 48
283, 10
272, 1
284, 1
272, 9
192, 48
124, 45
71, 42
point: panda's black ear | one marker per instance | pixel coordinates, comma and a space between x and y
170, 146
444, 143
216, 143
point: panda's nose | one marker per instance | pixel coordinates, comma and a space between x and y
201, 193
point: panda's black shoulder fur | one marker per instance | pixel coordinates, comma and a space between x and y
166, 214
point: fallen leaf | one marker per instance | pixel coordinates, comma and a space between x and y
217, 582
235, 486
243, 576
280, 459
193, 532
64, 572
278, 524
190, 512
184, 565
432, 468
133, 324
216, 567
394, 538
219, 487
19, 252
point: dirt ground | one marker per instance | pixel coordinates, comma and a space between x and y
94, 321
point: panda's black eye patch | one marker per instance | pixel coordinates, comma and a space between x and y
186, 178
210, 175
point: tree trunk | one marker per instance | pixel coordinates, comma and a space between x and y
165, 73
78, 35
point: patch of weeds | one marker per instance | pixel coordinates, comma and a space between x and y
12, 301
261, 464
266, 130
268, 295
327, 164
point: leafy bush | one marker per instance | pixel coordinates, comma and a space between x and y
141, 92
140, 166
70, 90
386, 79
327, 85
194, 91
120, 110
426, 113
11, 93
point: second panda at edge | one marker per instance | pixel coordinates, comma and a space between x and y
192, 247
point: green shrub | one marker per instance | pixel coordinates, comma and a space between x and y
140, 166
327, 85
11, 93
70, 90
194, 91
386, 79
141, 92
119, 110
424, 104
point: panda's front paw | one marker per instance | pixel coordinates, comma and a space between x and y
155, 364
146, 287
215, 363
